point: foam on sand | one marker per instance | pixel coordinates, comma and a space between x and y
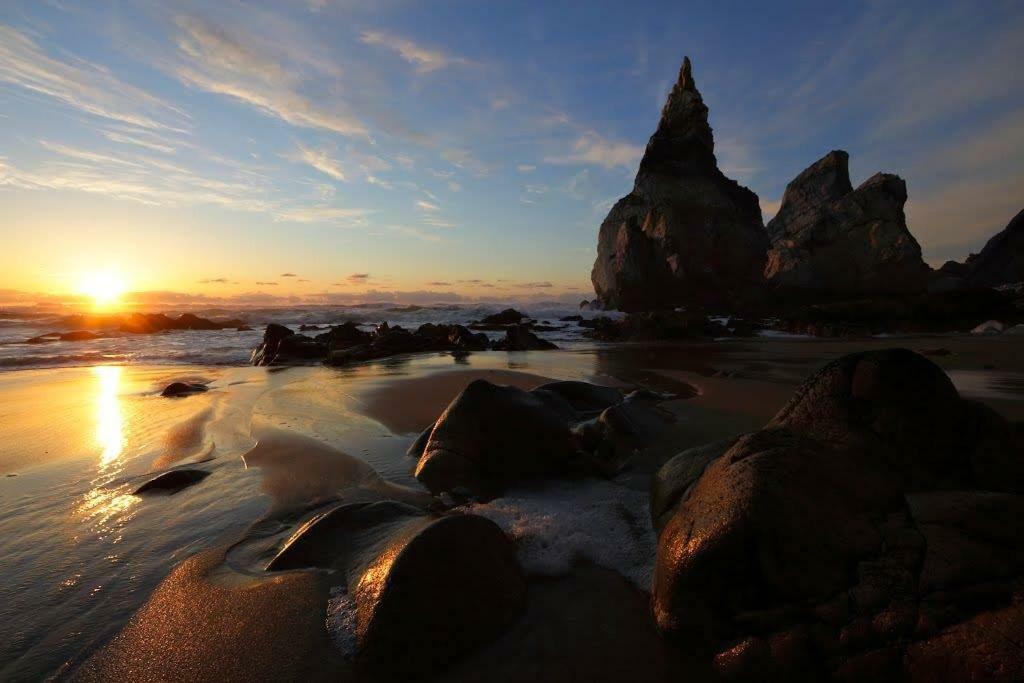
558, 524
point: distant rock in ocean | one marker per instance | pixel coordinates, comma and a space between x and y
1001, 261
829, 239
686, 234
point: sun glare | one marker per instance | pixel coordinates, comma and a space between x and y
103, 287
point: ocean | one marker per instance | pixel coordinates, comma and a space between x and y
232, 347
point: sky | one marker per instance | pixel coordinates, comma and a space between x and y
334, 151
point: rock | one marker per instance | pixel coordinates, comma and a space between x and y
243, 328
509, 316
79, 335
175, 389
656, 326
173, 481
876, 508
281, 345
520, 338
424, 589
490, 436
1015, 330
463, 562
686, 234
148, 323
830, 240
989, 327
1000, 262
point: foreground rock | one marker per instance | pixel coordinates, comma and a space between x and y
347, 343
398, 566
492, 436
686, 234
829, 239
872, 530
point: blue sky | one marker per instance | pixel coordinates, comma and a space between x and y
437, 150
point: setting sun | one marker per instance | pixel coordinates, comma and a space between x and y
103, 287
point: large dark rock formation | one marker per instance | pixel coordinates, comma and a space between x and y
871, 531
829, 239
492, 436
686, 234
1001, 261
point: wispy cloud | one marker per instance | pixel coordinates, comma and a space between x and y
82, 85
591, 148
227, 63
338, 216
427, 206
422, 58
320, 159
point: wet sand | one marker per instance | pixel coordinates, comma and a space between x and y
85, 554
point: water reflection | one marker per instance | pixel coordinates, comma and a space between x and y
107, 508
109, 420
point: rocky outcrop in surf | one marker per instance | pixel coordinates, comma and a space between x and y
829, 239
348, 343
686, 234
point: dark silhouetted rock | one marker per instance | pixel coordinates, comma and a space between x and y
173, 481
829, 239
686, 234
175, 389
78, 335
656, 325
282, 346
876, 513
520, 338
491, 436
425, 589
509, 316
1001, 261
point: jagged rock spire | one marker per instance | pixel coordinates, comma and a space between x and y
683, 136
684, 113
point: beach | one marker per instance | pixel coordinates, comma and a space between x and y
85, 554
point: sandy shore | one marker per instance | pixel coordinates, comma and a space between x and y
80, 440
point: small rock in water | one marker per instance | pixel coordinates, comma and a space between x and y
177, 389
173, 481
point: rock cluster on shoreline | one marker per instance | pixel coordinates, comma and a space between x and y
347, 343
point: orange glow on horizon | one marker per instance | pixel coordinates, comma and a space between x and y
105, 288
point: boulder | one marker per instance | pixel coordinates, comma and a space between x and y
521, 338
989, 327
172, 481
176, 389
509, 316
829, 240
422, 589
281, 345
492, 436
686, 234
875, 510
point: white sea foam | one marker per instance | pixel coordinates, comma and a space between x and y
560, 523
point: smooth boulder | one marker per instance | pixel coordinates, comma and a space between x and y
873, 513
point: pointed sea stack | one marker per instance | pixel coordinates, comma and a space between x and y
686, 234
1001, 262
829, 239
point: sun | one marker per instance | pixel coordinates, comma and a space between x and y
104, 287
